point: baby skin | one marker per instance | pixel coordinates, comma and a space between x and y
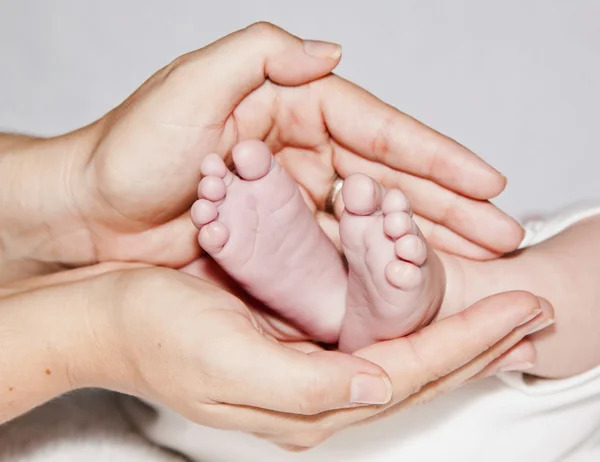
256, 225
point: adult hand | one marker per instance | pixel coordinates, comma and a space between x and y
165, 336
134, 190
209, 359
483, 340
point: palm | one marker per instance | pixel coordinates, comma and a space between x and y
146, 171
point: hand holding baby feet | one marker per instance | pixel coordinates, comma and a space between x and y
396, 283
258, 228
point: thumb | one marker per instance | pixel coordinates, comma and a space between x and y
278, 378
232, 67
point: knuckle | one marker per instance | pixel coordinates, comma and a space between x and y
452, 210
263, 29
381, 142
177, 68
313, 398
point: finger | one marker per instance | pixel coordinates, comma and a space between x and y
435, 351
492, 354
438, 236
474, 368
520, 358
223, 73
265, 374
446, 354
446, 240
418, 370
293, 431
363, 124
477, 221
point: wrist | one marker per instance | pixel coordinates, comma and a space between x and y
39, 223
46, 347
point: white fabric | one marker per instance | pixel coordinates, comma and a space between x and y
505, 419
86, 426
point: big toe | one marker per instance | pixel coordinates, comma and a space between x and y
362, 194
252, 159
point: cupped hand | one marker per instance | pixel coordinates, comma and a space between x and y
185, 343
175, 339
478, 342
134, 191
485, 339
211, 359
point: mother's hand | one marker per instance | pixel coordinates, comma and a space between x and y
212, 360
209, 358
479, 342
133, 192
169, 337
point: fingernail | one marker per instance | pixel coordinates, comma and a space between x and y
543, 325
517, 367
369, 389
535, 313
320, 49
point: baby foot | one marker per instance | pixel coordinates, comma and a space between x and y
396, 284
258, 228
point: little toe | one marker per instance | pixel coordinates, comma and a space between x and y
212, 188
203, 212
411, 248
398, 224
213, 165
252, 159
361, 194
403, 275
395, 201
213, 237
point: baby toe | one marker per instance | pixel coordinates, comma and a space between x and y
396, 201
403, 275
398, 224
213, 165
212, 188
411, 248
213, 237
203, 212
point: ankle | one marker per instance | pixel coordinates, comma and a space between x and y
455, 299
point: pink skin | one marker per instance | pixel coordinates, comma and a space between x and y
396, 284
258, 228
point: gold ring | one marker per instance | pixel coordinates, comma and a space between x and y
334, 192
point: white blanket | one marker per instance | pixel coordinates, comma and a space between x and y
84, 426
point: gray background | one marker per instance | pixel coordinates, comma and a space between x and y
517, 81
